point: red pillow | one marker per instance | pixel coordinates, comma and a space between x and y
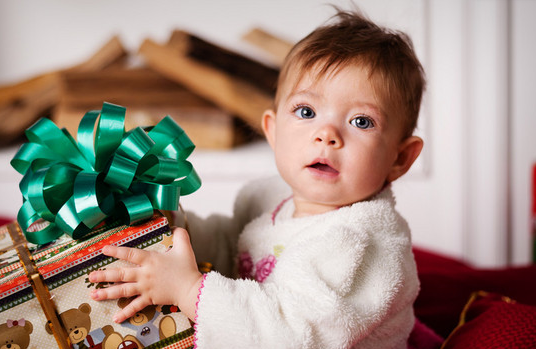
447, 284
493, 321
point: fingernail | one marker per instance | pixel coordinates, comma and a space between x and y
116, 319
94, 294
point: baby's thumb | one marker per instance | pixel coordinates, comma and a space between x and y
181, 239
182, 247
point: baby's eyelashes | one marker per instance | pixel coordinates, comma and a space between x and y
362, 121
304, 112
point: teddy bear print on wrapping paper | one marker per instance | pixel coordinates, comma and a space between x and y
147, 332
77, 322
116, 341
15, 334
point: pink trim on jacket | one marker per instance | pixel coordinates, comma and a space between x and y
278, 208
196, 307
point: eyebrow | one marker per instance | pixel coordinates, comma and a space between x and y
372, 106
303, 92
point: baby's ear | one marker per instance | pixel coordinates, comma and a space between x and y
408, 152
268, 126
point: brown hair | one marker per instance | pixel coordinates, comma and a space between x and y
395, 72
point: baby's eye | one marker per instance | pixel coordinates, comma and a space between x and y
363, 122
304, 112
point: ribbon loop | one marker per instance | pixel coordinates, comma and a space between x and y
108, 173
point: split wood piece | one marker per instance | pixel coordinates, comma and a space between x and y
207, 128
111, 54
233, 63
235, 95
148, 97
135, 87
23, 103
276, 47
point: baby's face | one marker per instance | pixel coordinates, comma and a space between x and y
332, 144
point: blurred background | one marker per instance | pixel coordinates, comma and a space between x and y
470, 194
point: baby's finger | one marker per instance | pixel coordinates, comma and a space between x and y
137, 304
181, 239
113, 275
132, 255
115, 292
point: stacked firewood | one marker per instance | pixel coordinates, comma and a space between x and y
215, 94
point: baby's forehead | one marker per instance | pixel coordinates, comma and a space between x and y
300, 70
303, 79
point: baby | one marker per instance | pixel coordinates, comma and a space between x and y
321, 259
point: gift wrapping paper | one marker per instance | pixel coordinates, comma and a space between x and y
64, 265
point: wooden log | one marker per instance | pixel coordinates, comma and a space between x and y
235, 64
209, 128
235, 95
276, 47
23, 103
112, 53
129, 87
148, 97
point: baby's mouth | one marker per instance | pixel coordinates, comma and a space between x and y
323, 168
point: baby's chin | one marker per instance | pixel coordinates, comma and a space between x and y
323, 203
310, 206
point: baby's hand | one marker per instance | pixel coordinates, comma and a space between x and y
158, 278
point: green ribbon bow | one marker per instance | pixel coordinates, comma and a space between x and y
108, 173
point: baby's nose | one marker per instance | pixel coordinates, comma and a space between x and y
329, 135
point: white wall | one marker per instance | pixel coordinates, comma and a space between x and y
37, 35
481, 127
465, 191
468, 194
522, 123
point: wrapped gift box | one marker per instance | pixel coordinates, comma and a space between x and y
107, 187
64, 266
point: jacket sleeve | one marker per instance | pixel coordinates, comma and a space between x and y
328, 291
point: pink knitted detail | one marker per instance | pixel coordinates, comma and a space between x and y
264, 267
196, 307
278, 208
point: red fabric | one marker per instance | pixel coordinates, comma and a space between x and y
491, 321
4, 220
423, 337
447, 284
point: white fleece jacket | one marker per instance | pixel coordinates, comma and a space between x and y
342, 279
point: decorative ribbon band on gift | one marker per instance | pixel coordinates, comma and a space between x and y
108, 173
38, 285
